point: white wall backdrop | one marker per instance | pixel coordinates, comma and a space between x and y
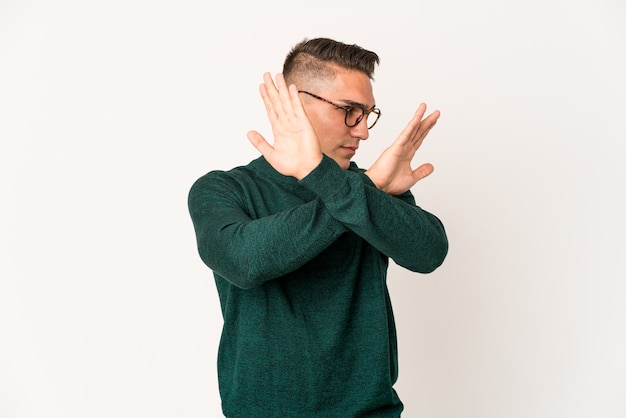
110, 110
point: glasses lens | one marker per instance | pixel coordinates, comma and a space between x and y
372, 118
354, 116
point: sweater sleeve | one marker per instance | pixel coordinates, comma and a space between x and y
412, 237
246, 250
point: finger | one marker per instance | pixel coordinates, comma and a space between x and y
421, 110
425, 126
432, 119
259, 142
269, 82
419, 114
267, 101
276, 97
278, 81
407, 135
272, 94
296, 100
423, 171
412, 128
271, 97
290, 96
289, 104
281, 85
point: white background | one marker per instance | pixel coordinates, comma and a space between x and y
110, 110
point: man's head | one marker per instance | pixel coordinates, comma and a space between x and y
337, 77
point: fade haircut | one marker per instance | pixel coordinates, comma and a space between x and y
321, 58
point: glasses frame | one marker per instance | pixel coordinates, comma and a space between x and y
348, 109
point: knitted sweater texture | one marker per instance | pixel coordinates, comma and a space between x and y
301, 269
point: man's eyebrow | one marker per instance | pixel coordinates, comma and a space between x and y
357, 104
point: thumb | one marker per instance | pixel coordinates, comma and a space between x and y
423, 171
259, 143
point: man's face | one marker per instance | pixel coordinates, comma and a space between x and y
337, 140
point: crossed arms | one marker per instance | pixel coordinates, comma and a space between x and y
249, 249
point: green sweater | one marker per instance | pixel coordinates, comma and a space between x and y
301, 269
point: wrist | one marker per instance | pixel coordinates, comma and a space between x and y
308, 166
372, 176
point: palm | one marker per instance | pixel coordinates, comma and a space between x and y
296, 150
392, 171
397, 171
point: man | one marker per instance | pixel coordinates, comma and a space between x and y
299, 240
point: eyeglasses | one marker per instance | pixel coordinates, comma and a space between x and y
354, 113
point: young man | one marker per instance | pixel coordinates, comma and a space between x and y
299, 242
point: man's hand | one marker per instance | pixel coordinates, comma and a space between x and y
296, 150
392, 172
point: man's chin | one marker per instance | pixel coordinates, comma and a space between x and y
342, 161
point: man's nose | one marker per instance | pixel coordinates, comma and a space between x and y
360, 130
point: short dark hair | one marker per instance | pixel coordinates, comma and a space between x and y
320, 57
